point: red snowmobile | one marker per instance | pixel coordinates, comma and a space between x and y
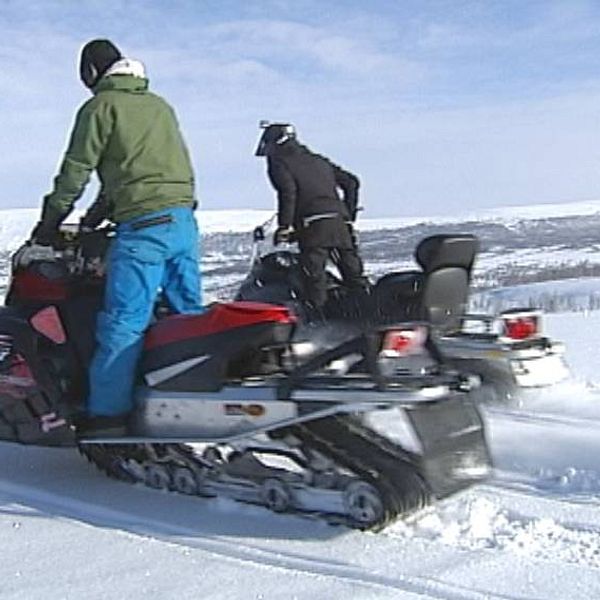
225, 404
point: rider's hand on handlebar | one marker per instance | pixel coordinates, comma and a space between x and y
43, 235
30, 252
283, 235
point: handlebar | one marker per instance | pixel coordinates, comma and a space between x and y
80, 251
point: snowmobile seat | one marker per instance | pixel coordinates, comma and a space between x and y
398, 295
447, 261
438, 293
230, 340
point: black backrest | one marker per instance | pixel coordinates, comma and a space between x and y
447, 261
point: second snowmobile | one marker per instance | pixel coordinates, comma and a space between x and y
508, 352
225, 406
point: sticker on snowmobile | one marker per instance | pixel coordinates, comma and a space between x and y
6, 344
250, 410
171, 371
50, 421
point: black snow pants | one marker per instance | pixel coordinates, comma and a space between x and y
313, 261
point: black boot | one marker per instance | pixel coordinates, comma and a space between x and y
102, 426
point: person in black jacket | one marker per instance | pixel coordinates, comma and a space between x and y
311, 209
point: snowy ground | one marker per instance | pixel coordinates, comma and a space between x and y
532, 532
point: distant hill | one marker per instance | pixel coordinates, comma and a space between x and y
522, 248
16, 223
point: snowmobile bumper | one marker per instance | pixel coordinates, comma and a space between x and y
530, 363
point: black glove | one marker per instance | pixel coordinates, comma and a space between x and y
30, 252
44, 234
283, 235
100, 210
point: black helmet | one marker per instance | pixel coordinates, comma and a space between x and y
274, 134
96, 58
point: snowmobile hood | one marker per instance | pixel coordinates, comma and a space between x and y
126, 74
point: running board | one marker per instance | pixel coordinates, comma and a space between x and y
236, 412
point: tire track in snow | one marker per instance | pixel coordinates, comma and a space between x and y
546, 454
569, 487
544, 418
130, 523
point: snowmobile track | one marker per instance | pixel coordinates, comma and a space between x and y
344, 440
387, 466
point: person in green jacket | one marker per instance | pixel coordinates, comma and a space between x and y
131, 138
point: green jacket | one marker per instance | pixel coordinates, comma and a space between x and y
131, 137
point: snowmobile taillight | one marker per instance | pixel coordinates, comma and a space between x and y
520, 326
47, 322
403, 341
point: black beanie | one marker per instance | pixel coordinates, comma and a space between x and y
96, 58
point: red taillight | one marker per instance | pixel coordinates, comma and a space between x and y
520, 327
403, 342
47, 322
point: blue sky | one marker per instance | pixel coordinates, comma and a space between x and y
439, 106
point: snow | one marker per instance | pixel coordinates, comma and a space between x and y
579, 293
533, 531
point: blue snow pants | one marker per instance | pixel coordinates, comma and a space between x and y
141, 262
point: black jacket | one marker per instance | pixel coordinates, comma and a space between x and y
307, 191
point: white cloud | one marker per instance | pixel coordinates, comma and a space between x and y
551, 23
411, 99
292, 41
